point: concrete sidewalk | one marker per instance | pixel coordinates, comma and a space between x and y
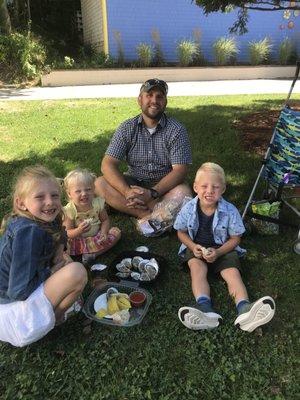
203, 88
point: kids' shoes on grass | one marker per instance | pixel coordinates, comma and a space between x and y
256, 314
199, 317
75, 308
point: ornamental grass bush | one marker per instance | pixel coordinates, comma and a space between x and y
286, 51
145, 54
225, 50
259, 52
187, 51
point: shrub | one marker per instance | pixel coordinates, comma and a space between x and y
22, 57
145, 54
286, 51
225, 50
68, 62
187, 51
259, 52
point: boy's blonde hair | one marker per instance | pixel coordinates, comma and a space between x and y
79, 175
24, 183
213, 168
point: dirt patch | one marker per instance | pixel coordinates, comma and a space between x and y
256, 129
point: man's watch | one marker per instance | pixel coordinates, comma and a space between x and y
154, 193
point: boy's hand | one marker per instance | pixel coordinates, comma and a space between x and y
210, 255
197, 250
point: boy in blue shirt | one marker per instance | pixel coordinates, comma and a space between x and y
210, 229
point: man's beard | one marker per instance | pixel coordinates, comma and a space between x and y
155, 117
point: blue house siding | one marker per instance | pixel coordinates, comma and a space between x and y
176, 20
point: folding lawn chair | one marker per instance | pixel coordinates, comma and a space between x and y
281, 167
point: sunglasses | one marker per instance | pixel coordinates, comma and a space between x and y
151, 83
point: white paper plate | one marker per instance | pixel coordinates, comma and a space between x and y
100, 302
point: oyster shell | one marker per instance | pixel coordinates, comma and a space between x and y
145, 277
123, 274
135, 261
154, 263
127, 262
151, 270
122, 267
143, 249
111, 292
141, 266
135, 275
206, 251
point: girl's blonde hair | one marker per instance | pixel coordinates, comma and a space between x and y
24, 184
213, 168
79, 175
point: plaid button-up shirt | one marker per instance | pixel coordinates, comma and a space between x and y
150, 156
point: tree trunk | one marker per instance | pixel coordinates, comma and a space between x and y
5, 24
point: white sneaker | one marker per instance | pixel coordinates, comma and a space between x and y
196, 319
75, 308
256, 314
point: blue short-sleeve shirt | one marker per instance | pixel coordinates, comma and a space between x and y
227, 222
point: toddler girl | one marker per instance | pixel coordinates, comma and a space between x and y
86, 220
37, 285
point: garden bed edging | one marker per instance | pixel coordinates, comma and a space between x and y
175, 74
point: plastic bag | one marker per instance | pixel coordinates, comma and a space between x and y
162, 217
270, 210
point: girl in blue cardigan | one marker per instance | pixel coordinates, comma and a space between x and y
37, 283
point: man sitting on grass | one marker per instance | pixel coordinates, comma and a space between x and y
157, 150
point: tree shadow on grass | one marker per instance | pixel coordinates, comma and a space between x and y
212, 138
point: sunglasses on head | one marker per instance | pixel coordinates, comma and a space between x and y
150, 83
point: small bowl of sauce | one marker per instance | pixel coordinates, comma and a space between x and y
137, 299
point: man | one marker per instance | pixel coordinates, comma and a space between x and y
157, 151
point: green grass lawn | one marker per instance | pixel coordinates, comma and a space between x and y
159, 359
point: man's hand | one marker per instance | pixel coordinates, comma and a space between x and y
136, 197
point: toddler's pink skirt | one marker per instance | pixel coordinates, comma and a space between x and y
93, 244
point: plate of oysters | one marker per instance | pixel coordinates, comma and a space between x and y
137, 266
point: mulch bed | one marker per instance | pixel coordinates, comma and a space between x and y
256, 129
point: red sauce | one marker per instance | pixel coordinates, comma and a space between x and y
137, 298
